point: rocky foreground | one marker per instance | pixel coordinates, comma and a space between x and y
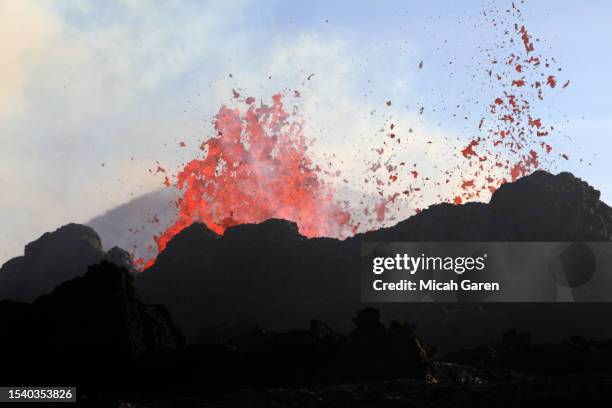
95, 333
271, 275
529, 391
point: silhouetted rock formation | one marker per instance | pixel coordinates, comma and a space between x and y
538, 207
101, 310
271, 275
83, 327
93, 332
52, 259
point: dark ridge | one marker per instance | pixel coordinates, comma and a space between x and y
93, 331
52, 259
194, 237
539, 207
81, 329
269, 275
269, 230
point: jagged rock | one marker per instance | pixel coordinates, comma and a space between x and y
317, 355
93, 320
565, 207
227, 273
101, 310
121, 258
52, 259
269, 274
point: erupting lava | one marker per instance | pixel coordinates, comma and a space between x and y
255, 168
258, 165
511, 140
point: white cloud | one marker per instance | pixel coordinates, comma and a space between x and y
85, 90
26, 27
95, 92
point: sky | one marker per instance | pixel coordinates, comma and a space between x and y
94, 94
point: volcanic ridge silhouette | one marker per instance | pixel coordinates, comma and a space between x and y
263, 306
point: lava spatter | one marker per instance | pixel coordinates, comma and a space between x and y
256, 167
511, 135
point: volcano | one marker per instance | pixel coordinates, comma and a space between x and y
269, 273
257, 163
272, 275
220, 290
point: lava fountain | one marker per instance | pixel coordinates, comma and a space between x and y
255, 168
257, 165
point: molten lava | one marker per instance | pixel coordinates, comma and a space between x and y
256, 168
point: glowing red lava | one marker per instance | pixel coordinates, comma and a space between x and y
256, 168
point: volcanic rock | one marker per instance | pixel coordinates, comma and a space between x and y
86, 324
538, 207
269, 274
52, 259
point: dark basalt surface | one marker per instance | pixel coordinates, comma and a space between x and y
271, 275
52, 259
80, 330
94, 333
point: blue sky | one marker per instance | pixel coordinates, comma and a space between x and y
94, 93
577, 34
